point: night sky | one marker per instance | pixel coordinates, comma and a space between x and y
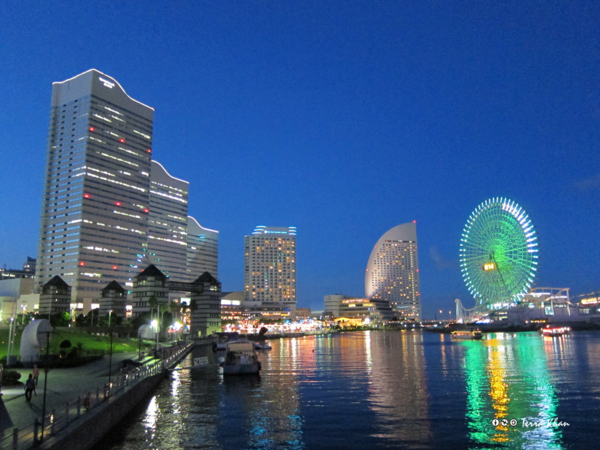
342, 118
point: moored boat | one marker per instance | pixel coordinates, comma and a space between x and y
223, 339
240, 359
466, 334
554, 331
262, 346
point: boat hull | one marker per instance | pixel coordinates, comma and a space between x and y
241, 369
466, 335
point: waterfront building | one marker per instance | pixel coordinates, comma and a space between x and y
55, 297
107, 208
113, 300
303, 313
270, 270
149, 285
206, 317
392, 272
331, 305
366, 310
231, 305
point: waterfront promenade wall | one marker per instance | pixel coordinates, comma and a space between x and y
92, 427
89, 428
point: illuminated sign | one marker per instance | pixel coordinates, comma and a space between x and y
108, 84
489, 266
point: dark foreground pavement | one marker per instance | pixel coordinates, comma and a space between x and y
63, 385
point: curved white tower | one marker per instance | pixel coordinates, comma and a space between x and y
393, 271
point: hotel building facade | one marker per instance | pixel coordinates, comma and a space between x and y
270, 271
393, 271
108, 210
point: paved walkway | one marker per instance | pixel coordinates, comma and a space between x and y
63, 385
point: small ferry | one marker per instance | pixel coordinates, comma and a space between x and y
465, 334
240, 359
554, 331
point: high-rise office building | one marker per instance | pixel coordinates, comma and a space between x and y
108, 210
270, 268
202, 249
95, 204
167, 223
393, 271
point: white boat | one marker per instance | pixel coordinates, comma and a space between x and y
465, 334
554, 331
240, 359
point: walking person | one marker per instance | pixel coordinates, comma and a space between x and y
29, 388
36, 373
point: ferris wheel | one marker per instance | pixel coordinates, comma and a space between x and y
498, 253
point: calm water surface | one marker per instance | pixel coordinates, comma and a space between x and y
384, 389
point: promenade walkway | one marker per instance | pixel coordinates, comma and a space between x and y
63, 385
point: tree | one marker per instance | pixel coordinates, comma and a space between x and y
163, 309
153, 302
60, 319
174, 308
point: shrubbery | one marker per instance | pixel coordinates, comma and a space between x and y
10, 377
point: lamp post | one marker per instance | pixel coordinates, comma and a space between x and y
110, 361
109, 315
47, 333
155, 325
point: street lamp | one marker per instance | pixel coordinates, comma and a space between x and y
47, 333
155, 325
109, 315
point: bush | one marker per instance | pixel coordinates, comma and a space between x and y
10, 377
65, 344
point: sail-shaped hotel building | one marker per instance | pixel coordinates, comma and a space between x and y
393, 271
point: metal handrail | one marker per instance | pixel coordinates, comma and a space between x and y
60, 418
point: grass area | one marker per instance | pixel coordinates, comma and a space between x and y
89, 342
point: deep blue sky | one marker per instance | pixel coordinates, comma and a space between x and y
342, 118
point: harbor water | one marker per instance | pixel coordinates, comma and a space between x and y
382, 389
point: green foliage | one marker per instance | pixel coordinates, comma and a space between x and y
60, 319
10, 377
142, 319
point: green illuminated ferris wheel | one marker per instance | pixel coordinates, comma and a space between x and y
498, 253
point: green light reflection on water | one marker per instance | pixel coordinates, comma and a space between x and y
507, 377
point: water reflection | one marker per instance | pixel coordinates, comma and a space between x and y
392, 389
399, 387
507, 379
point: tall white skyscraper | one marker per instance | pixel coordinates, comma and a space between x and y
270, 264
202, 250
108, 210
167, 223
95, 204
393, 271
